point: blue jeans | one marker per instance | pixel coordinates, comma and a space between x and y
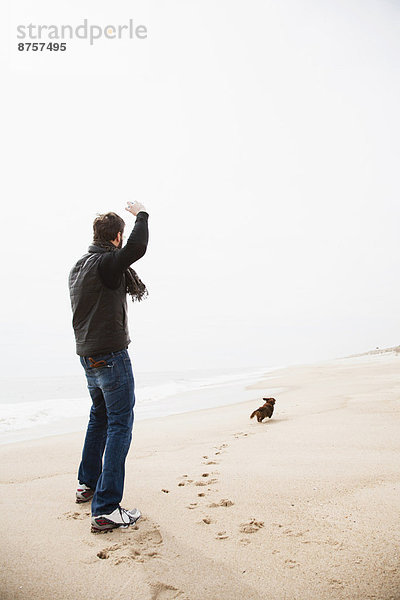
109, 432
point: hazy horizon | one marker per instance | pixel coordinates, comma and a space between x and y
263, 140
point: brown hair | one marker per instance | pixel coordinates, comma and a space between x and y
107, 226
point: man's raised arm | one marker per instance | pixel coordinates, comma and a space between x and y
115, 263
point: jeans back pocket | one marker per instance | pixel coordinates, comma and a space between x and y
106, 377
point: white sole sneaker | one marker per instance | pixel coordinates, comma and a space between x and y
118, 518
83, 493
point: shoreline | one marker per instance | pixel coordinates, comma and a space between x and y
208, 394
303, 506
182, 401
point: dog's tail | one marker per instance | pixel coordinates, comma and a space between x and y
253, 414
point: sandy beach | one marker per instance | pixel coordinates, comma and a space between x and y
304, 506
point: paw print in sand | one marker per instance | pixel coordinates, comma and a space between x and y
251, 526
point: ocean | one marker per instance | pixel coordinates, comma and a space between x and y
31, 408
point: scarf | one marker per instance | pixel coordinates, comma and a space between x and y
134, 286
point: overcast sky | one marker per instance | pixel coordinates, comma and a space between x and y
262, 136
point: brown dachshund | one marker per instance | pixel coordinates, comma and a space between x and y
265, 411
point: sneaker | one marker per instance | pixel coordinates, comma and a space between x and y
83, 493
118, 518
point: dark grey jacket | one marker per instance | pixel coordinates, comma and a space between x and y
98, 294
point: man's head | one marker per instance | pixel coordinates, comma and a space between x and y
108, 228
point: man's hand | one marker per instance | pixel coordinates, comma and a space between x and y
135, 207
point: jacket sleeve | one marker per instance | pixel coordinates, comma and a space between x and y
114, 264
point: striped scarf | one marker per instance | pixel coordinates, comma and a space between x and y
134, 286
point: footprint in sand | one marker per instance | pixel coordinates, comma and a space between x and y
75, 515
141, 545
203, 481
210, 462
206, 482
240, 434
218, 449
221, 447
105, 553
163, 591
251, 526
221, 535
290, 563
223, 502
289, 532
184, 480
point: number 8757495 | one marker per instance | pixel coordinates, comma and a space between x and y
40, 46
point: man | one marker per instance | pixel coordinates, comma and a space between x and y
98, 285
